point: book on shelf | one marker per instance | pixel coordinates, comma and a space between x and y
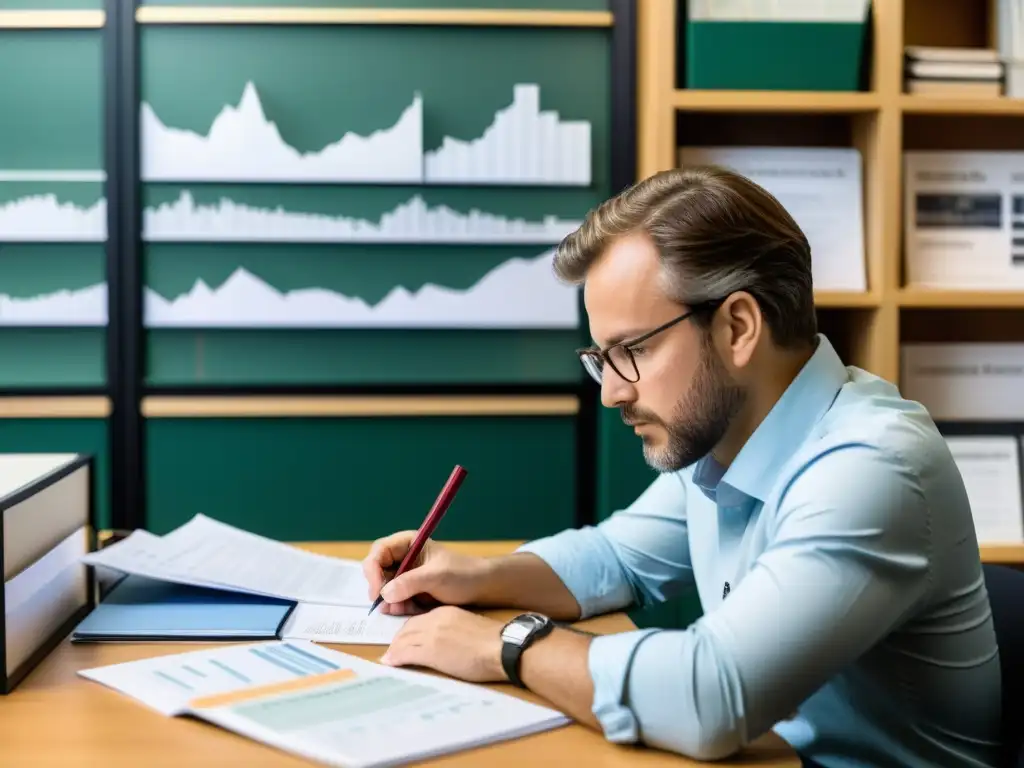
964, 219
47, 502
953, 72
1009, 18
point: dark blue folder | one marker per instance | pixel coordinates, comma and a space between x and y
141, 609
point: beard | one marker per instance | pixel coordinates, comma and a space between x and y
699, 420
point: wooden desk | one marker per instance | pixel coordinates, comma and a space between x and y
56, 718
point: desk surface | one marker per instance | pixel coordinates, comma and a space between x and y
56, 718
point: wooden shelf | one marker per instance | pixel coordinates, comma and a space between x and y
775, 101
259, 406
168, 14
841, 299
947, 299
56, 19
1005, 554
931, 105
56, 407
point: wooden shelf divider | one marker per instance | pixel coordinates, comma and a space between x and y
808, 102
55, 407
269, 406
947, 299
170, 14
18, 18
933, 105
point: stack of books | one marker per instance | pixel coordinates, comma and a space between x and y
953, 72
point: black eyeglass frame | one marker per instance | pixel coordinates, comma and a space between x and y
604, 355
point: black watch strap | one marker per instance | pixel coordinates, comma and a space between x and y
511, 652
510, 655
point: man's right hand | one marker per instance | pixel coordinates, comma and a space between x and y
438, 574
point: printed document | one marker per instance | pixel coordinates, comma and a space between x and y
821, 188
990, 467
207, 553
341, 624
328, 706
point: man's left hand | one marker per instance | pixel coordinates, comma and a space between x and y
450, 640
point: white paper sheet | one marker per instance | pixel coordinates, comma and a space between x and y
821, 188
206, 552
841, 11
990, 467
341, 624
333, 707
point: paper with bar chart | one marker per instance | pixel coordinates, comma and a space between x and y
326, 705
167, 683
519, 292
52, 206
524, 144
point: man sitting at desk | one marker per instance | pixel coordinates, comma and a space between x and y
819, 515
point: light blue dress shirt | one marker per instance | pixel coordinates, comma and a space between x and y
856, 624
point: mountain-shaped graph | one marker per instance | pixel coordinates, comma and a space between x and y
44, 218
83, 307
244, 146
519, 293
524, 145
413, 221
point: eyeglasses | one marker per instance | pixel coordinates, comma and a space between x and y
620, 356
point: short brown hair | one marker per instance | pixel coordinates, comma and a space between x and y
717, 232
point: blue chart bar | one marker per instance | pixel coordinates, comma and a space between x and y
321, 665
233, 672
160, 673
285, 663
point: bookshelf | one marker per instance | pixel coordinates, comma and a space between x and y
882, 121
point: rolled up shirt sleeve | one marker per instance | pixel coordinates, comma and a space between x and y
847, 559
638, 556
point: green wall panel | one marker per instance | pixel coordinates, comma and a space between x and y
51, 123
359, 79
53, 109
622, 475
432, 357
360, 478
52, 357
64, 436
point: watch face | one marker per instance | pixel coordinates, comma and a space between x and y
521, 627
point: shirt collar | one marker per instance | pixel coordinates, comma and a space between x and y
779, 435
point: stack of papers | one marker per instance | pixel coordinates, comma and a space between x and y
828, 11
330, 594
953, 72
324, 705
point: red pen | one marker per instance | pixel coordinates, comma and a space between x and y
441, 504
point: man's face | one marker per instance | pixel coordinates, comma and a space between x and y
685, 398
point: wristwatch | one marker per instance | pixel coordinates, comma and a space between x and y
516, 637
